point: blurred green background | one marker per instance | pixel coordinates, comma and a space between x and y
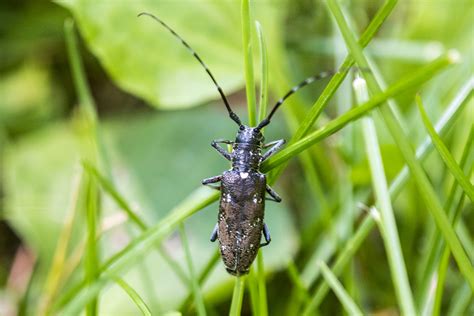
158, 112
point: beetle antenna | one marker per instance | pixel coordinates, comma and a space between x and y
232, 115
302, 84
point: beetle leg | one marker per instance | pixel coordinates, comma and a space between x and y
210, 180
273, 194
266, 234
221, 150
214, 233
276, 146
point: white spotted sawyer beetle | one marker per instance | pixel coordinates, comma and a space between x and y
243, 188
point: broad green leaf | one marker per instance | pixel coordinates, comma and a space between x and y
142, 57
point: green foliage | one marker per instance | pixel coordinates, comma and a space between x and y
98, 185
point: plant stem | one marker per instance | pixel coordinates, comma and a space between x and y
237, 296
248, 60
262, 107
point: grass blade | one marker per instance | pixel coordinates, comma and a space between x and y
262, 107
85, 98
262, 289
252, 285
248, 61
260, 271
56, 271
388, 224
445, 154
91, 260
427, 192
435, 246
135, 297
237, 296
198, 299
349, 305
446, 120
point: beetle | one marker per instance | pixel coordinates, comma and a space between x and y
240, 223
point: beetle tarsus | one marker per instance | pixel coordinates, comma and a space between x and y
210, 180
266, 234
214, 233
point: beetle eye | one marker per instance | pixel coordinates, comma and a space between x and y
241, 127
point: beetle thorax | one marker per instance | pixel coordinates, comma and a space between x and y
246, 151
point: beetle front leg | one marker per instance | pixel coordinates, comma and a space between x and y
221, 150
210, 180
266, 234
276, 147
273, 194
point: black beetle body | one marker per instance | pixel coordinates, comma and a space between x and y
241, 209
243, 187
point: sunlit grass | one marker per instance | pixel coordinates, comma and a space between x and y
416, 290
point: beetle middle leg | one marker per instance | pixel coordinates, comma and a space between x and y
221, 150
276, 146
273, 194
266, 234
210, 180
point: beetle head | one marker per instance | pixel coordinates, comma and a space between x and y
249, 135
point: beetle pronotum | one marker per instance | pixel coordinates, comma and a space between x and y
243, 188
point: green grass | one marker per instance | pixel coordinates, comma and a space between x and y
201, 198
421, 203
427, 192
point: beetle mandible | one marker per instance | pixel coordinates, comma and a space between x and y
243, 188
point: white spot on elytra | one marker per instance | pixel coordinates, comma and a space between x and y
244, 175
